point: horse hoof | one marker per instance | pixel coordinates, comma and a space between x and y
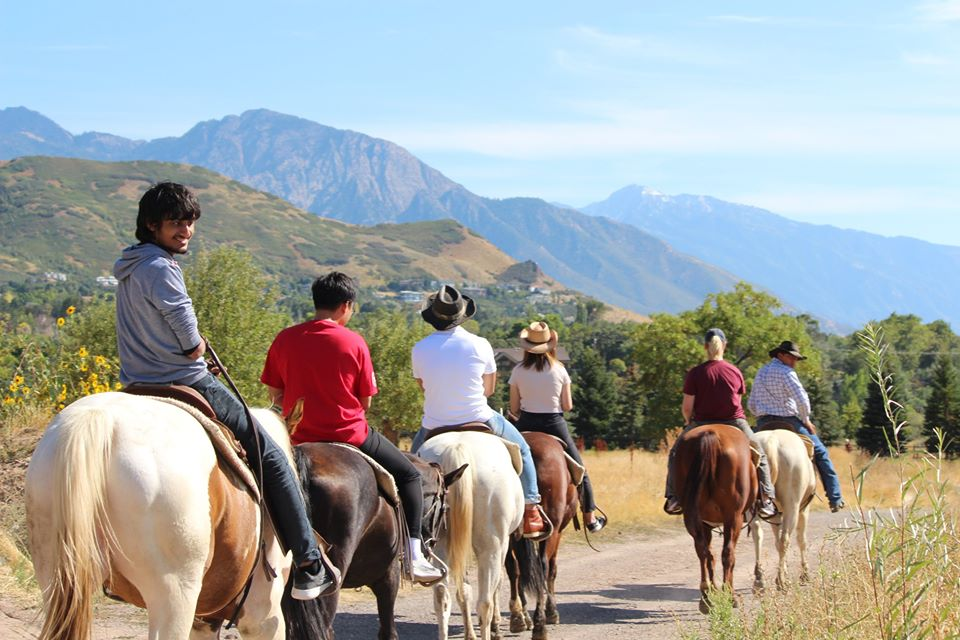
737, 600
804, 578
527, 620
517, 623
553, 617
758, 588
704, 606
539, 633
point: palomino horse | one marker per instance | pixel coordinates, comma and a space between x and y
486, 506
718, 485
126, 493
363, 530
535, 570
793, 476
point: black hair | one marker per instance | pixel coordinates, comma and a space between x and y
165, 201
332, 290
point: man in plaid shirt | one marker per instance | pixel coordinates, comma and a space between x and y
778, 396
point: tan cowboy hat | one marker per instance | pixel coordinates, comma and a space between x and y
538, 338
448, 308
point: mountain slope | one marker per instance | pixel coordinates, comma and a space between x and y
849, 276
74, 216
358, 179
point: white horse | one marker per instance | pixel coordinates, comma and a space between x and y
793, 477
486, 506
126, 491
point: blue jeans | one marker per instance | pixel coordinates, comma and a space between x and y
279, 484
505, 429
821, 459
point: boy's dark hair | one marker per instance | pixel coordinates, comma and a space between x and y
332, 290
165, 201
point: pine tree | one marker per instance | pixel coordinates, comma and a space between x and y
943, 408
875, 433
594, 397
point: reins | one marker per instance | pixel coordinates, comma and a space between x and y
258, 476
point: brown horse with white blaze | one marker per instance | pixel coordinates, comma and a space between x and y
718, 483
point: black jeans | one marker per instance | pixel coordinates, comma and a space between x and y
279, 484
553, 424
409, 481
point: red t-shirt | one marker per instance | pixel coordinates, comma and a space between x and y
329, 367
717, 386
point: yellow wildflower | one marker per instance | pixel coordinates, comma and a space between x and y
60, 322
82, 352
13, 387
70, 310
117, 386
8, 400
99, 361
60, 406
83, 366
26, 390
18, 380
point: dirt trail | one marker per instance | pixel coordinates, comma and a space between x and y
640, 586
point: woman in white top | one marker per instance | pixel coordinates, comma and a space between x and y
539, 394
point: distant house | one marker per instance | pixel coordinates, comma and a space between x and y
107, 282
410, 297
474, 292
54, 276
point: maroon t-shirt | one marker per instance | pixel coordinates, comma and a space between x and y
716, 386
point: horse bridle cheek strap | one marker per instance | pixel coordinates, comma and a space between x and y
270, 572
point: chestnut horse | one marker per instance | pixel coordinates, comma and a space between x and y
363, 529
533, 569
717, 479
125, 493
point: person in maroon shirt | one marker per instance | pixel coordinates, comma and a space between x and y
711, 395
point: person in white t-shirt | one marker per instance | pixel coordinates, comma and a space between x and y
539, 394
457, 372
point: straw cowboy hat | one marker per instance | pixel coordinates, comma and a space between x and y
787, 347
538, 338
448, 308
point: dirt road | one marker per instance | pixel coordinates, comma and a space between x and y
639, 586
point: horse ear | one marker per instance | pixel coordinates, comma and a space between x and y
295, 416
453, 476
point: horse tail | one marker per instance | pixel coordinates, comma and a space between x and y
461, 513
304, 618
533, 572
79, 519
700, 477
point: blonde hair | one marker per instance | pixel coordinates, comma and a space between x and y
715, 347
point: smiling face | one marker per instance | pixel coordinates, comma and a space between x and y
173, 235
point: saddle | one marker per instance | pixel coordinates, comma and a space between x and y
481, 427
228, 449
388, 486
577, 471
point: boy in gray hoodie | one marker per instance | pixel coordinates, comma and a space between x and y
159, 343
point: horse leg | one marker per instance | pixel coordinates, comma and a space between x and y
441, 607
552, 551
385, 590
731, 533
783, 545
757, 531
518, 602
489, 563
464, 599
262, 616
802, 545
701, 541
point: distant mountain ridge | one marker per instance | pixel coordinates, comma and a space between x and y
849, 276
355, 178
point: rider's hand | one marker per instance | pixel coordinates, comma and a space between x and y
213, 368
812, 428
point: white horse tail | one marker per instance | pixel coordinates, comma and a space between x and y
79, 523
461, 513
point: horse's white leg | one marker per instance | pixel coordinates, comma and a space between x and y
262, 618
756, 530
465, 599
441, 607
802, 545
490, 563
783, 542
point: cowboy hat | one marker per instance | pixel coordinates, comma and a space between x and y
787, 347
538, 338
448, 308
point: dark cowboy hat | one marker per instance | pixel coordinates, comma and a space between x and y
787, 347
448, 308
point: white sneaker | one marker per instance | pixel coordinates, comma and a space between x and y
424, 572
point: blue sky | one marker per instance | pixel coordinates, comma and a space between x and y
842, 113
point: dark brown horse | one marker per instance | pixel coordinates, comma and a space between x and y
717, 479
534, 570
363, 530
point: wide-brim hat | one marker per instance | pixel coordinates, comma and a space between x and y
448, 308
787, 347
538, 338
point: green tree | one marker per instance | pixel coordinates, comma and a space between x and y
398, 406
237, 310
594, 396
626, 427
943, 407
875, 434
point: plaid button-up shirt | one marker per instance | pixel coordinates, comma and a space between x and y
777, 392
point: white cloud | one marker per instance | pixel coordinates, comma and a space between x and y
939, 11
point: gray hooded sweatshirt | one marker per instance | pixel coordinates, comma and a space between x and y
156, 324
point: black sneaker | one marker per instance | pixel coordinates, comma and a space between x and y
311, 582
836, 506
599, 522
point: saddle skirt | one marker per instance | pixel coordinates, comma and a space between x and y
388, 486
481, 427
577, 471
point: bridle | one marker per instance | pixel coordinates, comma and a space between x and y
435, 518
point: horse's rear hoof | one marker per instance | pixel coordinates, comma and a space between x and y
539, 633
517, 624
758, 588
553, 617
704, 606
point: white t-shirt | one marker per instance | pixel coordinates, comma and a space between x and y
451, 365
540, 390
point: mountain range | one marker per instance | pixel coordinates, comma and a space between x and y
649, 253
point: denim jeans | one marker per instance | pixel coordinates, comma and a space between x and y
763, 465
505, 429
821, 459
279, 484
553, 424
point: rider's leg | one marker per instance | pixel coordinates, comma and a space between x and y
828, 475
763, 466
554, 424
418, 439
528, 475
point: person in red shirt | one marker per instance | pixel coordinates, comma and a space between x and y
711, 395
329, 366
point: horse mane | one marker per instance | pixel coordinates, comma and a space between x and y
703, 469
